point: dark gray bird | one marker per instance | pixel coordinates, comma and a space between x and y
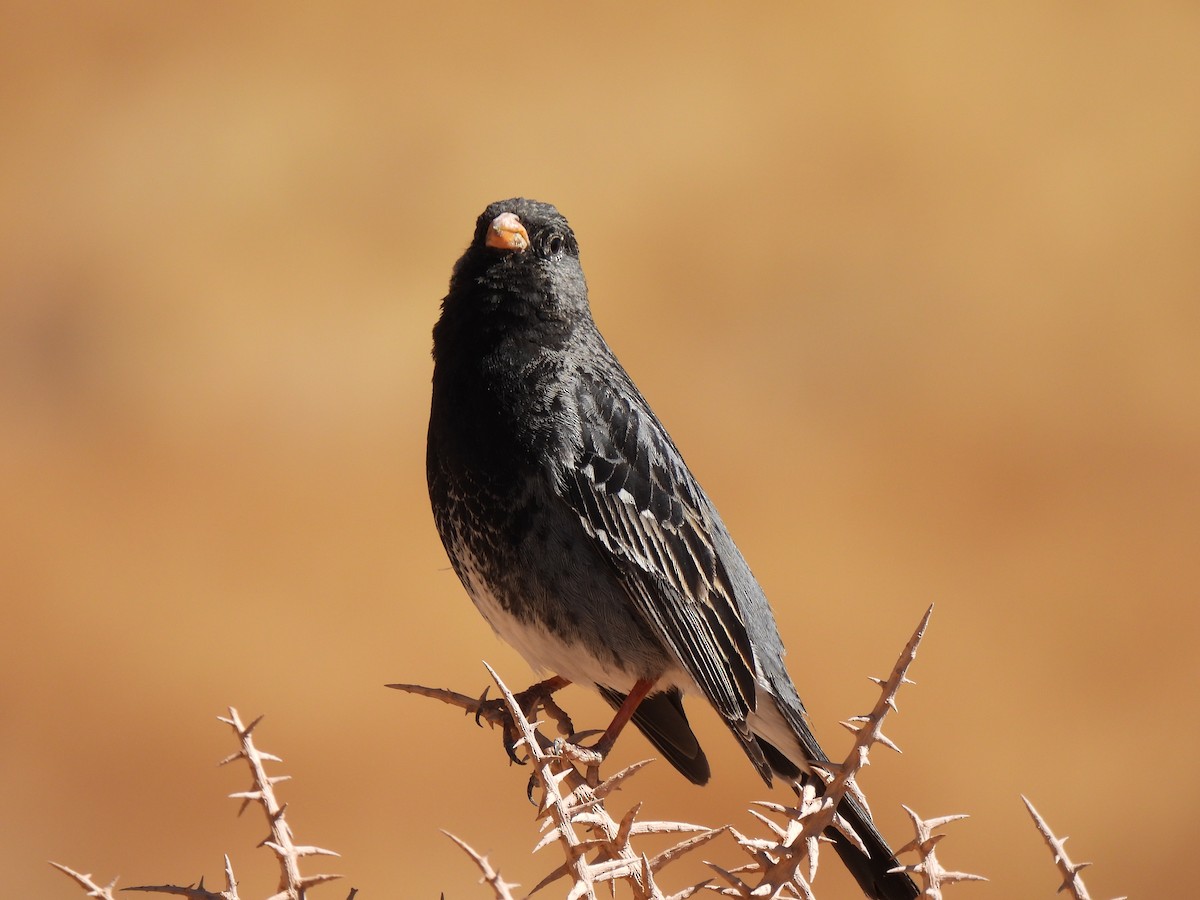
581, 535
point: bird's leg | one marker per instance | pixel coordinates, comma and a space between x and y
594, 755
624, 714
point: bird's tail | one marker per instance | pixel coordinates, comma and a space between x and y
660, 717
871, 872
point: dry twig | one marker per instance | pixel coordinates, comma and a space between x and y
85, 882
501, 888
929, 869
1072, 880
786, 863
292, 885
597, 849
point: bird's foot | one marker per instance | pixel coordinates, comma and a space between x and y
530, 700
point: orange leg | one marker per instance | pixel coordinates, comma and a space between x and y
624, 714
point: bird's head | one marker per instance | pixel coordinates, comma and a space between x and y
523, 261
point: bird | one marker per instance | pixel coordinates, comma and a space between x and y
581, 535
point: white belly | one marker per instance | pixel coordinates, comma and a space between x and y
548, 652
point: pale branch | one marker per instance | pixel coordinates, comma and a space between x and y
85, 882
597, 850
1072, 880
608, 842
292, 885
931, 872
501, 888
788, 862
476, 706
231, 882
198, 892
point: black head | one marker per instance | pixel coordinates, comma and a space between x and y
523, 261
546, 232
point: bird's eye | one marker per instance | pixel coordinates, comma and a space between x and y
555, 245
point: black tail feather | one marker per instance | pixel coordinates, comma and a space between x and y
871, 872
660, 717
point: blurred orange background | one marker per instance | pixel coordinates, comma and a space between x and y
915, 287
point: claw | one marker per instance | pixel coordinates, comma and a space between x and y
510, 744
530, 699
479, 708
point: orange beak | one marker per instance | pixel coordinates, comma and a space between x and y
507, 233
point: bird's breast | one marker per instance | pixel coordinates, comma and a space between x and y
542, 584
497, 419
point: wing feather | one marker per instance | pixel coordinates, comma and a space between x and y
637, 499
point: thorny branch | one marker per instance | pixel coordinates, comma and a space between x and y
1072, 880
597, 848
929, 869
292, 884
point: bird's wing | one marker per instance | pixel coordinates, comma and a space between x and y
649, 517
